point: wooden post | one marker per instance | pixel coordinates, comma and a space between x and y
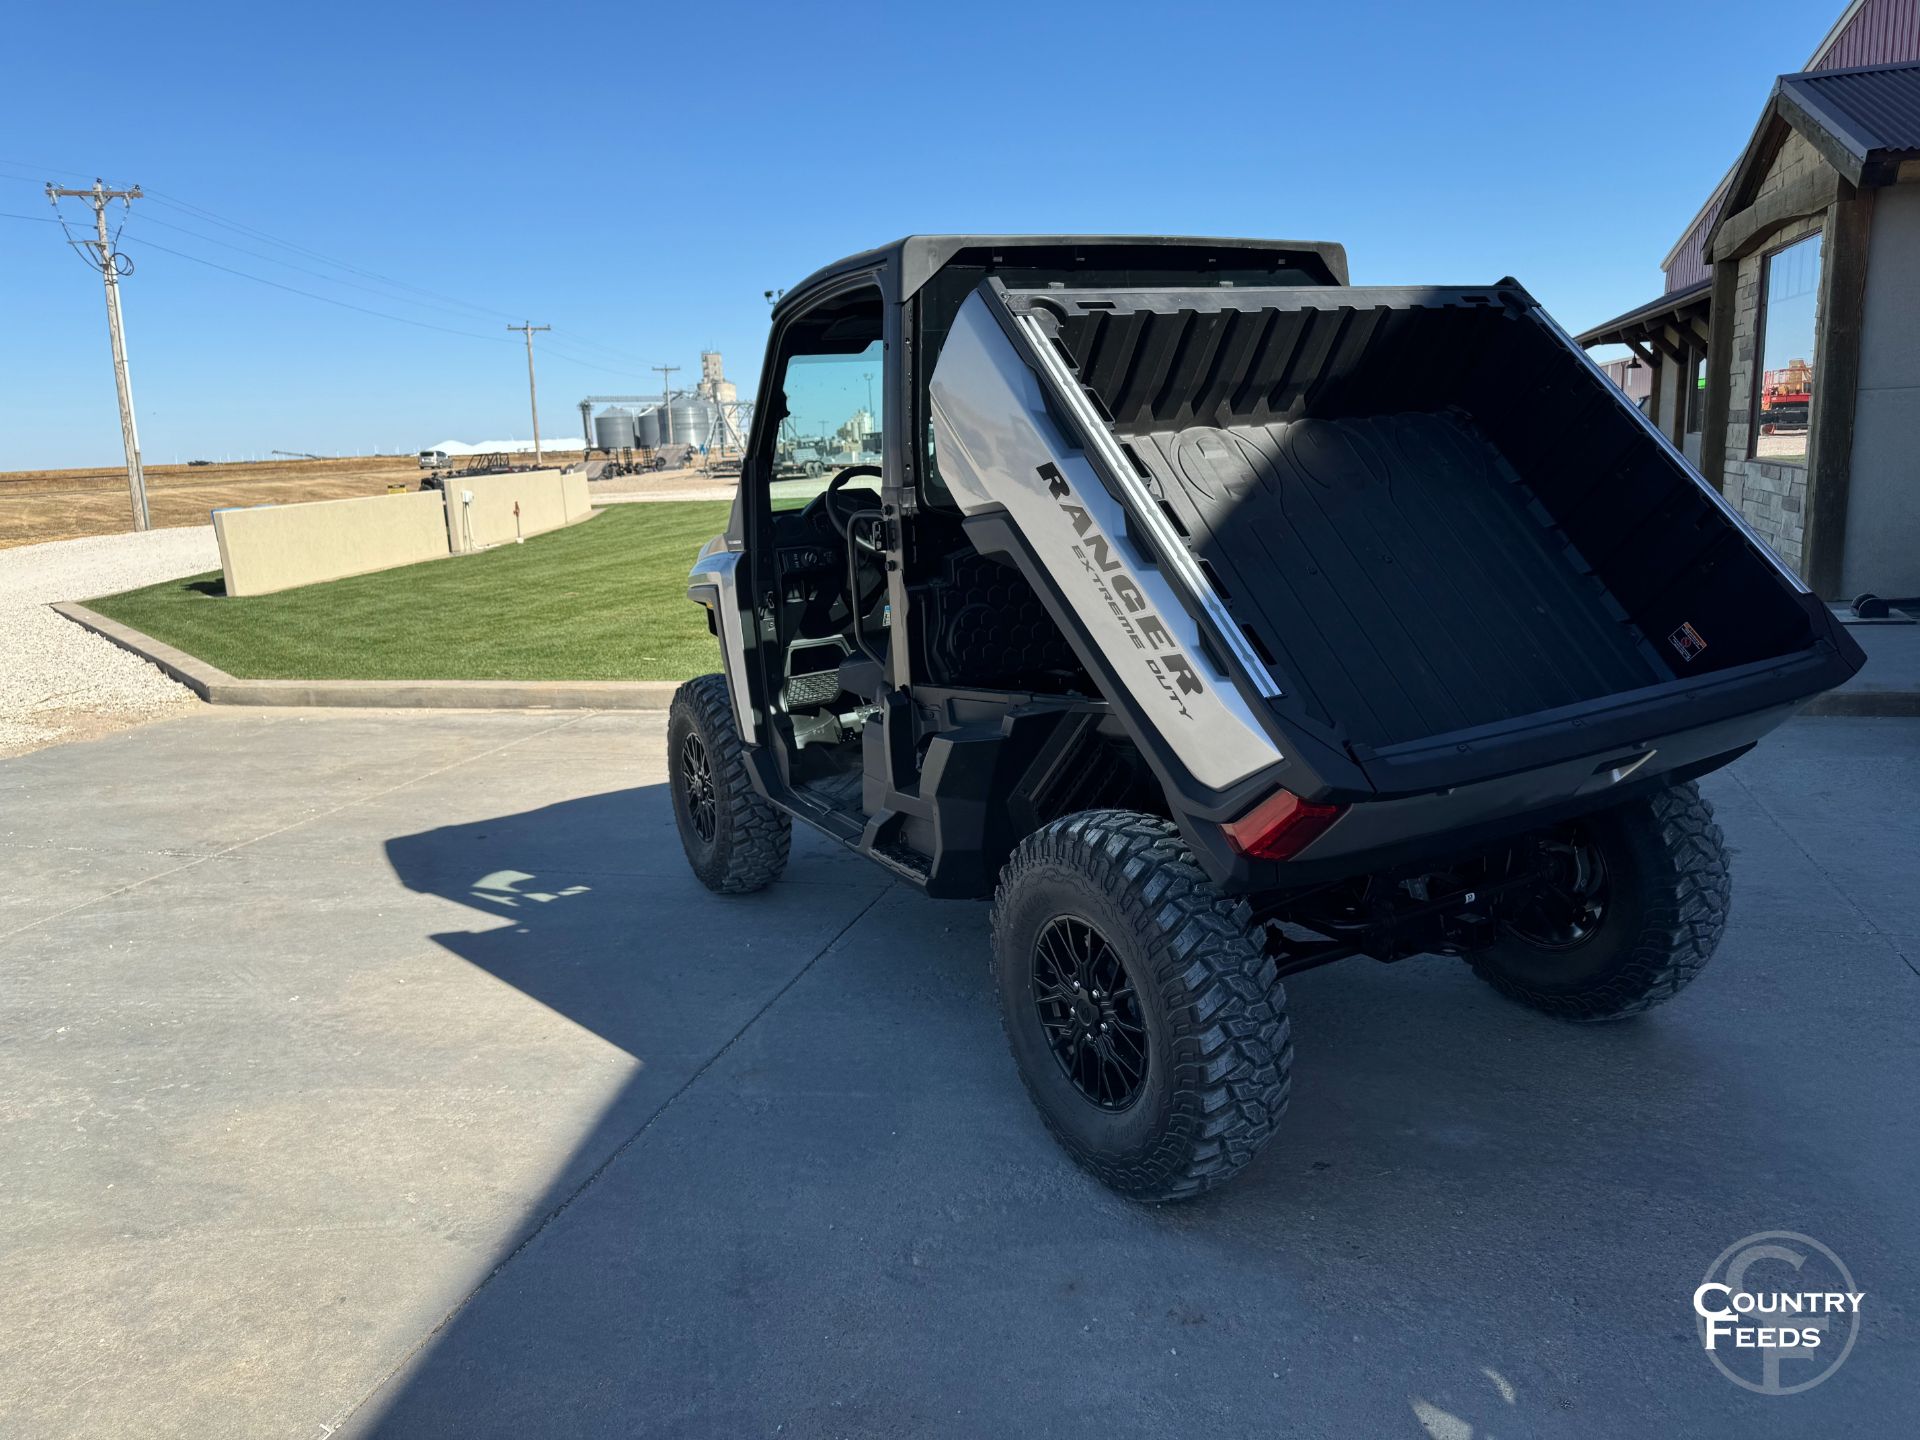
1836, 386
1658, 389
533, 395
1713, 422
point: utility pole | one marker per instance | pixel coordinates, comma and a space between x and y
108, 264
533, 396
666, 401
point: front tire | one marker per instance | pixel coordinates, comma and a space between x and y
1638, 914
735, 840
1147, 1022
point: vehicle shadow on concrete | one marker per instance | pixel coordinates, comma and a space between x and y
851, 1222
598, 919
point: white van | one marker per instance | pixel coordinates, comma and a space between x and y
434, 460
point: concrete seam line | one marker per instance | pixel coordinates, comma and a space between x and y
625, 1145
282, 830
217, 687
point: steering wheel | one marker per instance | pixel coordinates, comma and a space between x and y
832, 500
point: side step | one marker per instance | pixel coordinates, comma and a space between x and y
907, 864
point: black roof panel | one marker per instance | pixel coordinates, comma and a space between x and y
1869, 110
917, 258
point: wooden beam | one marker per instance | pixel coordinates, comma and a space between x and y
1816, 131
1667, 341
1836, 387
1747, 230
1642, 354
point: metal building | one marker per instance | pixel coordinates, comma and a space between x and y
1782, 356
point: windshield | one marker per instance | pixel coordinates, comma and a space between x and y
834, 420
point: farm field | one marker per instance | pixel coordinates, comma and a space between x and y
37, 505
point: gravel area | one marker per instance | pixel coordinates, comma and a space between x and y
58, 681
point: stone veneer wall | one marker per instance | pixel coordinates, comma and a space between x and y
1772, 496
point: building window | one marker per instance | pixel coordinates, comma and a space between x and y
1789, 322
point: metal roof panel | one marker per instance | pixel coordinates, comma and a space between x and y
1875, 108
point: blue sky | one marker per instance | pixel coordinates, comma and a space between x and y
636, 176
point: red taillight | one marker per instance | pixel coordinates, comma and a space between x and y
1280, 826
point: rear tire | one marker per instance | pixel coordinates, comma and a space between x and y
1146, 1020
1657, 871
735, 840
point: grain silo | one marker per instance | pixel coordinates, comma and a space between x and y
690, 421
613, 429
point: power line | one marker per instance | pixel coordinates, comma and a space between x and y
559, 353
452, 305
362, 309
438, 299
203, 213
311, 295
276, 260
573, 339
443, 300
40, 172
330, 279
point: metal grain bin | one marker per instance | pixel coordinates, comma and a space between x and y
613, 429
690, 421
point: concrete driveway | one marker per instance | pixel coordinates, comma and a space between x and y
385, 1074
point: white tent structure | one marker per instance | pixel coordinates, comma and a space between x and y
505, 447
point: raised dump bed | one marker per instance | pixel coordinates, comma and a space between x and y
1430, 515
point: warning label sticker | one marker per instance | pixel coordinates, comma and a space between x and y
1687, 641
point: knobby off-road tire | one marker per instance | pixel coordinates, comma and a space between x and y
1667, 889
735, 841
1218, 1052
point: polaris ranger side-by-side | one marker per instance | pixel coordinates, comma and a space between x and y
1221, 619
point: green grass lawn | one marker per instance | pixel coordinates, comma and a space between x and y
602, 600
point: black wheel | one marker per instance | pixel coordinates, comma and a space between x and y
1633, 908
1145, 1017
735, 840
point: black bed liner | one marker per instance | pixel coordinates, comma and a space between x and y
1430, 513
1391, 568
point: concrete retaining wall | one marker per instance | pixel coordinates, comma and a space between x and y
276, 547
547, 499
